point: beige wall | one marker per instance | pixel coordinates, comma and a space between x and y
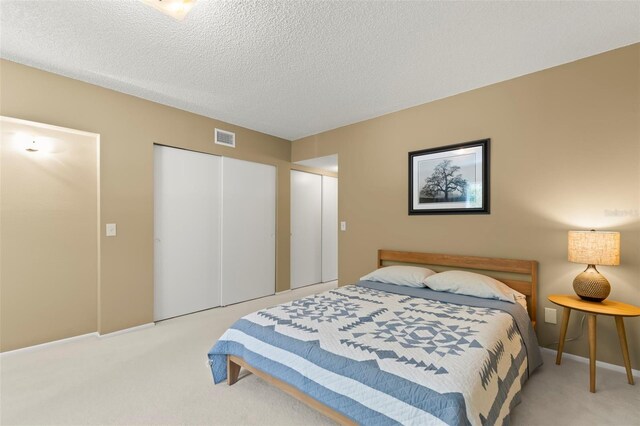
565, 155
128, 128
49, 243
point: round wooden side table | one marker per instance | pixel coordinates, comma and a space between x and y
618, 310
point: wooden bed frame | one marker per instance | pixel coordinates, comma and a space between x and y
484, 264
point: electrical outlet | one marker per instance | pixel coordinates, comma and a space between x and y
550, 316
111, 230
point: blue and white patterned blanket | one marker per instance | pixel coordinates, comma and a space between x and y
384, 358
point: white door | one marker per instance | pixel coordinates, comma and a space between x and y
306, 229
187, 231
248, 230
329, 229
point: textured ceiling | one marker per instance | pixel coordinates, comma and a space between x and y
295, 68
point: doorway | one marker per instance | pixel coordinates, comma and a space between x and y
49, 232
314, 222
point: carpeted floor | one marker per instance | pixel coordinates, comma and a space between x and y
159, 375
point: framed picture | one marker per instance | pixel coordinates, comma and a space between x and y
452, 179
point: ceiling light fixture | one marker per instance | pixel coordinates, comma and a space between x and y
177, 9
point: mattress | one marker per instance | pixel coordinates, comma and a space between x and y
384, 354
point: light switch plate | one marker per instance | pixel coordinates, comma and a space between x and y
111, 230
550, 316
343, 226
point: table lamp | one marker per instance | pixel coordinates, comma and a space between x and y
593, 248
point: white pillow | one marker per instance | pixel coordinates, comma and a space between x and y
410, 276
521, 300
471, 284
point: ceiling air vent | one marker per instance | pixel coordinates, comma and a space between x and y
225, 138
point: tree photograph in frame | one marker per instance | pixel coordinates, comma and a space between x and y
451, 179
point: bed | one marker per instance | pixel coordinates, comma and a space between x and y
377, 353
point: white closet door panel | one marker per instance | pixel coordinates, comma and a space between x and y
248, 230
329, 228
306, 229
187, 231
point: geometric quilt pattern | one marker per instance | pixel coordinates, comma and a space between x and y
431, 330
452, 347
321, 308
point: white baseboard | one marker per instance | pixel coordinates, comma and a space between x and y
283, 292
80, 337
127, 330
614, 367
53, 343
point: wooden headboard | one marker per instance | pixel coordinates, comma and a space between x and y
526, 268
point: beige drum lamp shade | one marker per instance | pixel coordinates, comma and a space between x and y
593, 248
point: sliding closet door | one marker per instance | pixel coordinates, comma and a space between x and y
187, 231
248, 230
329, 229
306, 229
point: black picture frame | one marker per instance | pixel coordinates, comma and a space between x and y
452, 179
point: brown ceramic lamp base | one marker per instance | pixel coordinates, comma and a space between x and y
591, 285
